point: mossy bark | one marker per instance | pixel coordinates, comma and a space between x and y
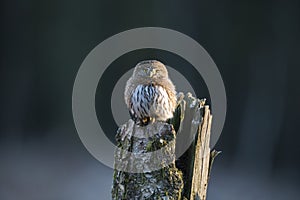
145, 165
139, 172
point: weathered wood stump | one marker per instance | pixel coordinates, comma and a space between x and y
145, 166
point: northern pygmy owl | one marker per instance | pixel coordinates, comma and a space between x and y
149, 93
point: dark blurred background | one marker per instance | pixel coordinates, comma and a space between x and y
255, 45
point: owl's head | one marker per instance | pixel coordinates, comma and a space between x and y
150, 69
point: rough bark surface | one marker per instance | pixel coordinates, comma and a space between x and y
201, 159
145, 158
149, 151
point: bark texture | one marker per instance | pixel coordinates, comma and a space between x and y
145, 166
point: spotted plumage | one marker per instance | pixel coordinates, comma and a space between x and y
149, 94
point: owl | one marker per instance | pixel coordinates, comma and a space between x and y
149, 94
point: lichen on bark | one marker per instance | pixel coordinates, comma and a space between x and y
145, 165
140, 172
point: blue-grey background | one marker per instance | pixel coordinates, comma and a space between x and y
255, 44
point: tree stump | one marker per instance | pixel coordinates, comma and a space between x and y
145, 166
